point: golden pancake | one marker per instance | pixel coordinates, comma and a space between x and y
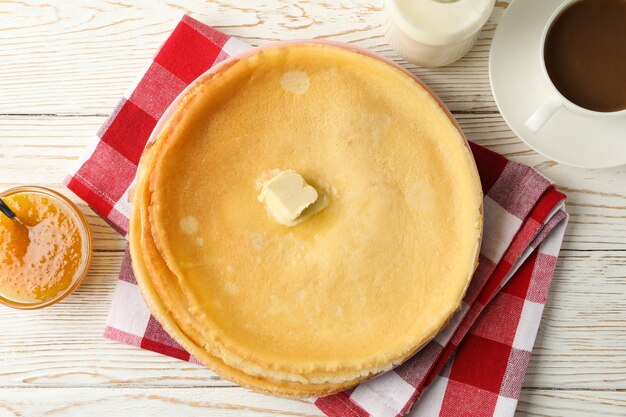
155, 282
151, 271
347, 293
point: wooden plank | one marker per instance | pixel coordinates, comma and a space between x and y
551, 403
181, 402
80, 57
221, 402
580, 345
583, 331
41, 149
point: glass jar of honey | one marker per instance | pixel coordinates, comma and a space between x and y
45, 251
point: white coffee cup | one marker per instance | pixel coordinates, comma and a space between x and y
556, 100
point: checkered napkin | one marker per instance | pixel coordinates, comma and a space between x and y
474, 367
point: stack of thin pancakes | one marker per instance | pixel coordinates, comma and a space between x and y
351, 291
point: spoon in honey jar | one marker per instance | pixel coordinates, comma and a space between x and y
6, 210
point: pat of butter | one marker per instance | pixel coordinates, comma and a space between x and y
286, 195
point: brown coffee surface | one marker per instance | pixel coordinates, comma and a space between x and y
585, 54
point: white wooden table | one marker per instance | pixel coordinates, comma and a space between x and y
64, 65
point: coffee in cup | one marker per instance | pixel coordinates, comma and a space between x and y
584, 59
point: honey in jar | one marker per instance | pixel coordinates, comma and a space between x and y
45, 253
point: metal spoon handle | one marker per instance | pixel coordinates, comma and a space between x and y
6, 210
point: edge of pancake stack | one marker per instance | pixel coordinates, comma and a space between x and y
171, 303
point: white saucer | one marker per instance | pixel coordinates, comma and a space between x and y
515, 75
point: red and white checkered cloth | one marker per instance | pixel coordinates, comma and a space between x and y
474, 367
